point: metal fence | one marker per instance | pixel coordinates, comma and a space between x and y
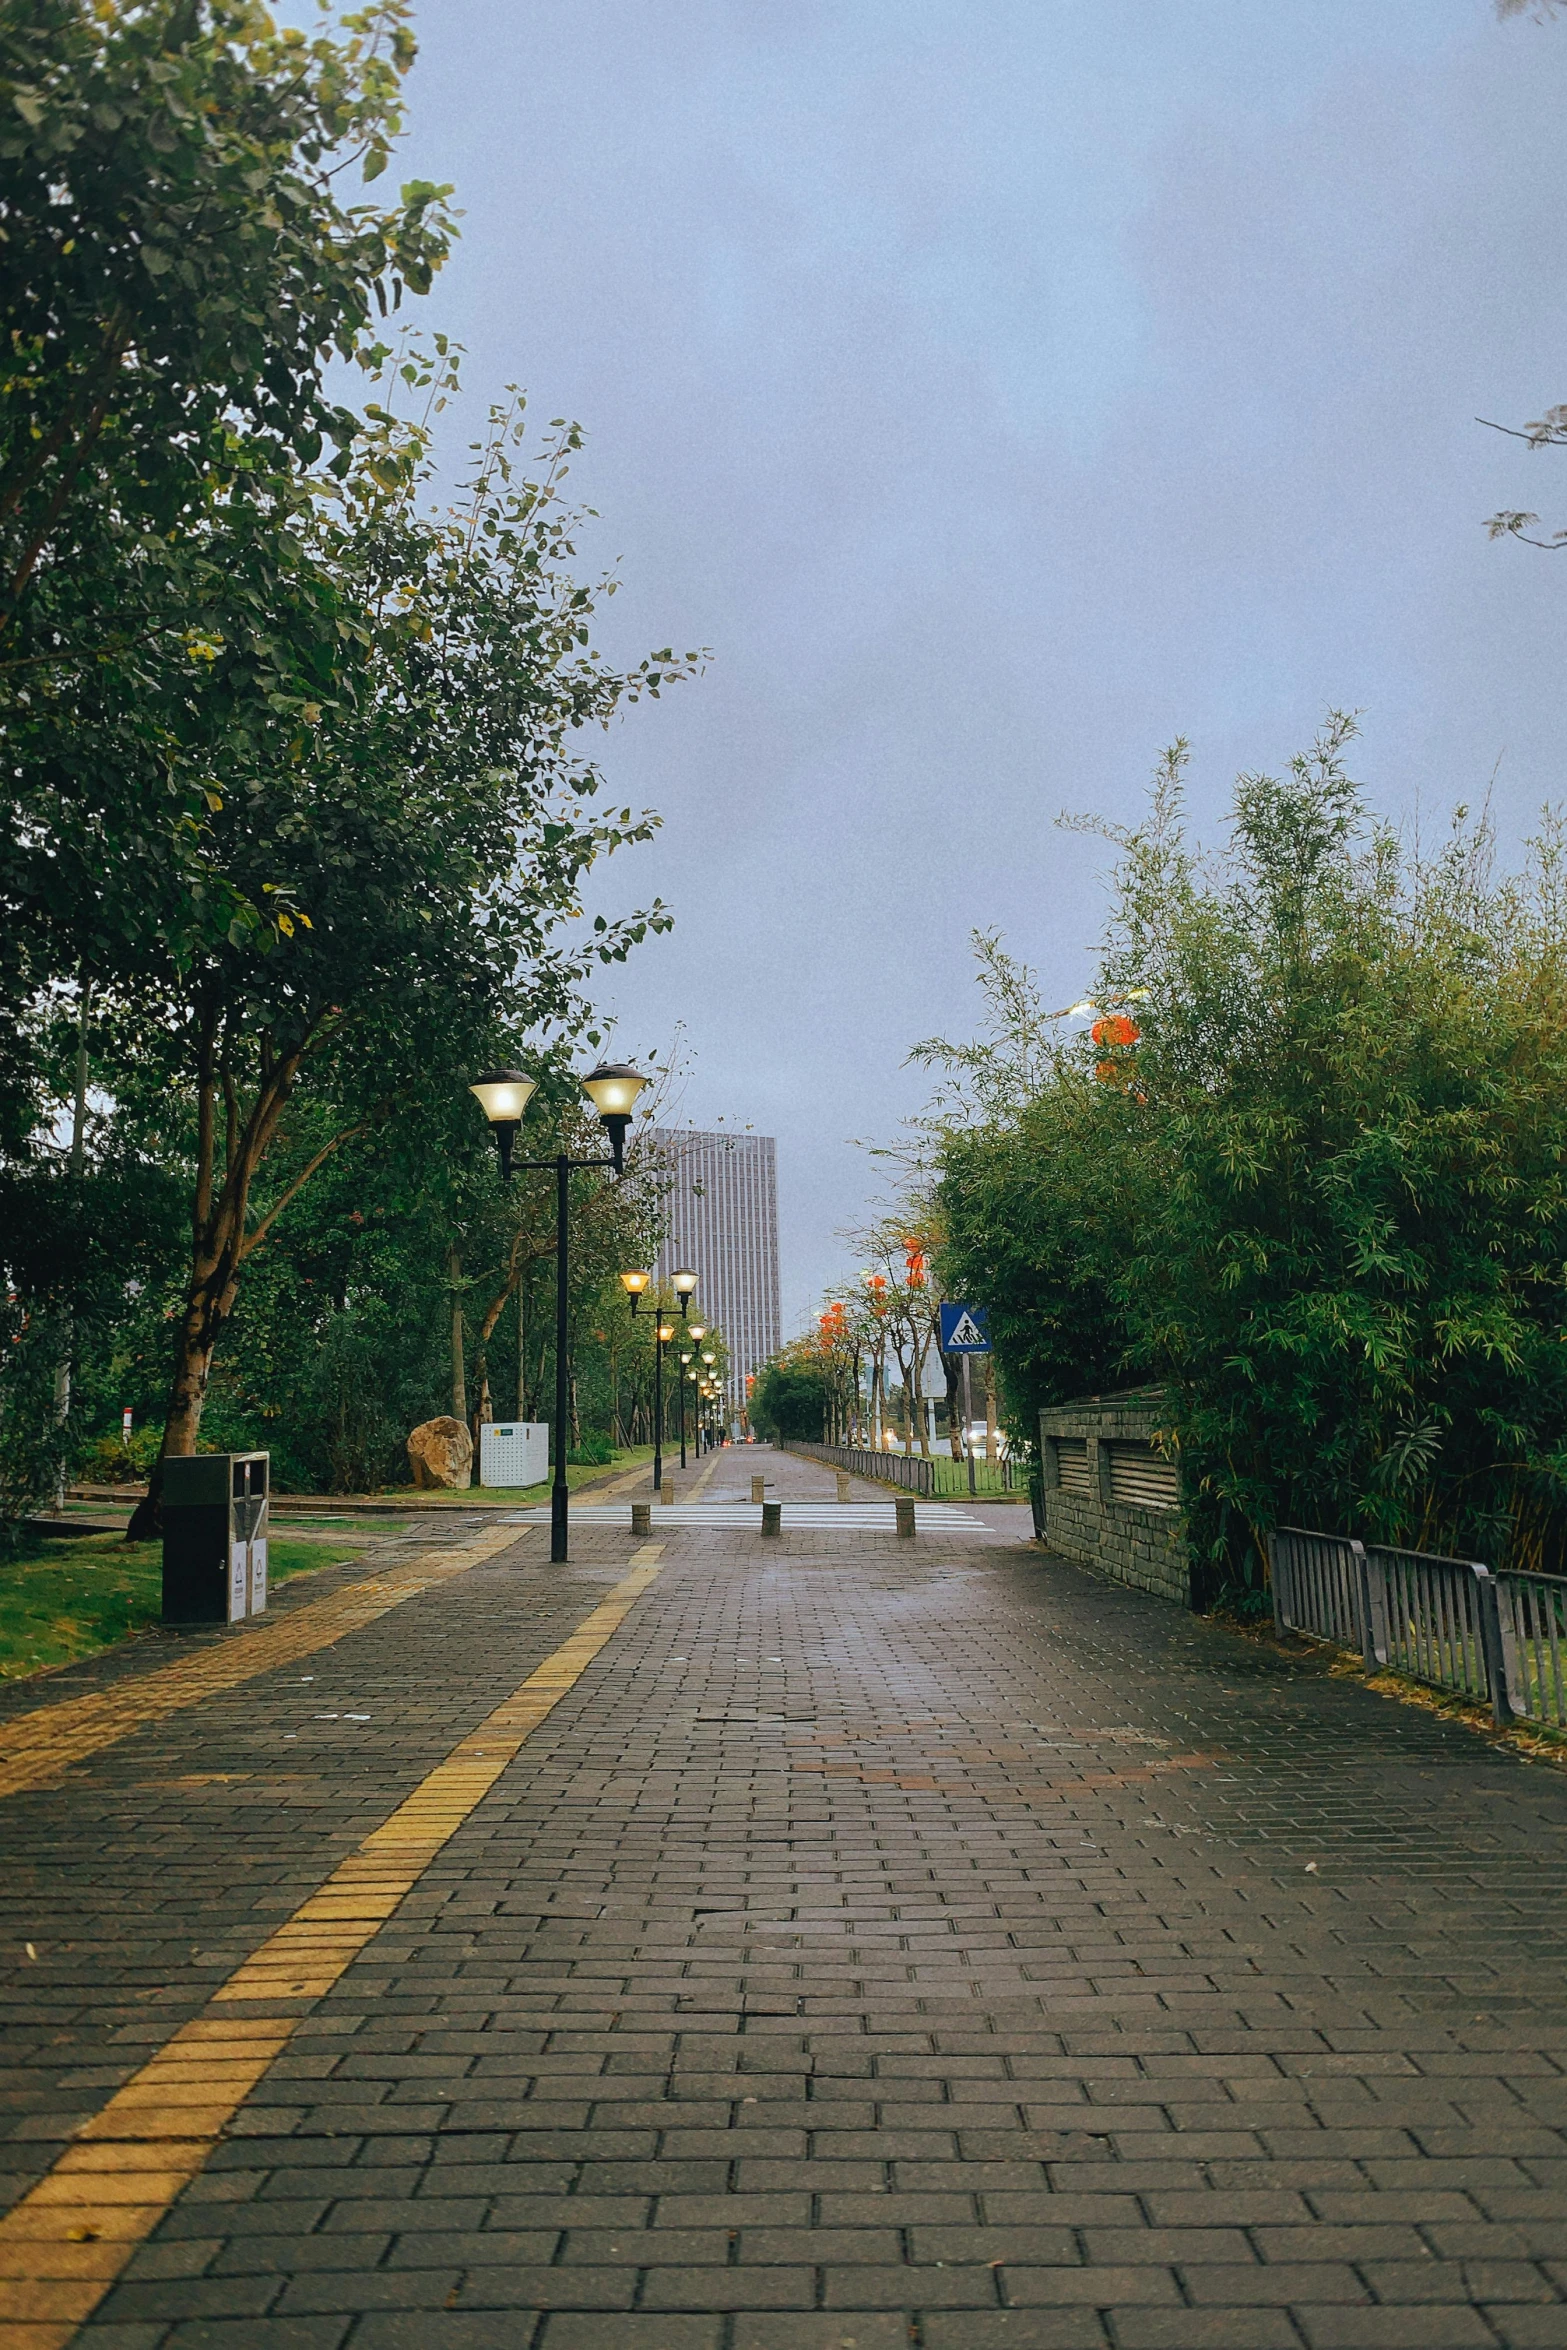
1501, 1638
887, 1468
1534, 1640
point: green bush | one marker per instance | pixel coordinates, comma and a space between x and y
109, 1460
1322, 1193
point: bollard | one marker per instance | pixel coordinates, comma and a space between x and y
641, 1517
666, 1493
904, 1505
772, 1517
843, 1484
758, 1488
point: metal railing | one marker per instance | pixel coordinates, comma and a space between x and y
887, 1468
1501, 1638
1534, 1642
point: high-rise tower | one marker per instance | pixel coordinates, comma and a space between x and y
722, 1208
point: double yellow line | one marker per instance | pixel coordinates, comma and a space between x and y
65, 2243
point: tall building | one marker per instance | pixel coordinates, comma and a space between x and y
723, 1219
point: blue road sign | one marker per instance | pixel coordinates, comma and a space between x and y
965, 1330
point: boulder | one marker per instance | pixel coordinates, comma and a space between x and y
441, 1451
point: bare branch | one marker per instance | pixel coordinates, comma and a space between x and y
254, 1239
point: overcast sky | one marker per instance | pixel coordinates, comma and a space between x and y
1000, 388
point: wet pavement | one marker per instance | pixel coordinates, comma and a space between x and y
867, 1943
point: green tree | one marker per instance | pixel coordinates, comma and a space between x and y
178, 260
418, 850
178, 267
1317, 1192
792, 1395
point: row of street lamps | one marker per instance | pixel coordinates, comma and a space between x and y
612, 1088
684, 1282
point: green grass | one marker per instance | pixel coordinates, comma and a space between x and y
952, 1481
65, 1599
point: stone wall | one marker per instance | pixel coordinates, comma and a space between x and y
1130, 1542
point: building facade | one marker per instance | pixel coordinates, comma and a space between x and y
722, 1209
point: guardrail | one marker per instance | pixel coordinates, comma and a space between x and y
886, 1468
1499, 1637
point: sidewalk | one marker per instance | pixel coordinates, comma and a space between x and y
825, 1943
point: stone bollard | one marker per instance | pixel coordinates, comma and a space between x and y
758, 1488
641, 1517
904, 1505
666, 1493
843, 1484
772, 1517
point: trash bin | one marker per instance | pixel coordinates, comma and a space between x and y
214, 1537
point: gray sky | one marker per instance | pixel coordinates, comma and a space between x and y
1000, 388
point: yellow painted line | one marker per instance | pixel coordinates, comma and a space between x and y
67, 2241
40, 1746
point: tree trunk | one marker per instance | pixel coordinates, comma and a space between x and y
955, 1430
63, 1369
459, 1375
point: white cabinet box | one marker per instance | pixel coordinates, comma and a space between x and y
514, 1452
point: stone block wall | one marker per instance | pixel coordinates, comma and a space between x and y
1128, 1541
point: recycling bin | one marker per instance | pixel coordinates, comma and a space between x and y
215, 1537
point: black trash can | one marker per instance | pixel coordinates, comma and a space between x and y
214, 1537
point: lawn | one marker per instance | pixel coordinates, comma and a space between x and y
526, 1496
65, 1599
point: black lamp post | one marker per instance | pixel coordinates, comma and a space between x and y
662, 1336
708, 1359
504, 1095
636, 1286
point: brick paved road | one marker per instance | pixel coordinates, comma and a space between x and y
880, 1945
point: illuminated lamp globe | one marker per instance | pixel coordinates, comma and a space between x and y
612, 1088
503, 1095
634, 1284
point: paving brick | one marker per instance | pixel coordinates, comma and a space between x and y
1013, 2329
961, 1969
1203, 2329
864, 2331
569, 2331
1425, 2328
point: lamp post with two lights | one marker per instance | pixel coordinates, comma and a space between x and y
696, 1333
636, 1286
503, 1096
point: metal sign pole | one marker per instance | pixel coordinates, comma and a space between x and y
968, 1419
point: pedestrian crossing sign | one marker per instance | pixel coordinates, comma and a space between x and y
965, 1330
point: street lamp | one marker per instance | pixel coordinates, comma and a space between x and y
685, 1361
634, 1285
664, 1332
685, 1282
503, 1096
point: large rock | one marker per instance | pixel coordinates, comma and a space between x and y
441, 1451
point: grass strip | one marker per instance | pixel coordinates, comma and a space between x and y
65, 1598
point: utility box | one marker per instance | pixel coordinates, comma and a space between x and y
215, 1537
514, 1452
